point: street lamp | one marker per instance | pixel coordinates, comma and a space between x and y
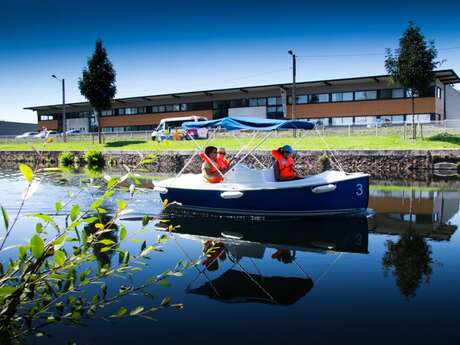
63, 106
294, 101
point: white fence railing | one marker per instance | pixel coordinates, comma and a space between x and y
403, 129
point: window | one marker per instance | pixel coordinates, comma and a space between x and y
253, 102
361, 120
169, 107
106, 112
130, 111
365, 95
120, 111
397, 93
141, 110
303, 99
341, 96
386, 94
176, 107
323, 97
271, 100
161, 108
183, 107
46, 117
261, 101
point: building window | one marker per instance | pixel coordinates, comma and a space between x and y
271, 101
106, 112
46, 117
386, 94
365, 95
323, 98
183, 107
303, 99
397, 93
130, 111
176, 107
141, 110
341, 96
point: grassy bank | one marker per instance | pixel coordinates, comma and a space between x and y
311, 143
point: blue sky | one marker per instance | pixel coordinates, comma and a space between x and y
173, 46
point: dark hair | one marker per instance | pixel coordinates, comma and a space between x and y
210, 149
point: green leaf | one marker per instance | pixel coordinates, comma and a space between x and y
58, 206
96, 204
6, 219
121, 205
26, 172
145, 220
112, 182
74, 212
163, 238
106, 249
122, 311
90, 220
106, 242
122, 233
135, 240
148, 250
37, 246
6, 290
136, 311
39, 228
59, 258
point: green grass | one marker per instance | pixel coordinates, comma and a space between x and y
309, 143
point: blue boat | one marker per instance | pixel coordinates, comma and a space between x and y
247, 191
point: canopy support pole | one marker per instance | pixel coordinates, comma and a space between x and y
253, 149
246, 146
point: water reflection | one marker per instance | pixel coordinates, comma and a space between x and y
228, 240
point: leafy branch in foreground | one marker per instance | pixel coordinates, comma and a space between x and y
68, 272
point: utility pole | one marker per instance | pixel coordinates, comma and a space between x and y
294, 100
64, 137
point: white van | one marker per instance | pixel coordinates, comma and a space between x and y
166, 127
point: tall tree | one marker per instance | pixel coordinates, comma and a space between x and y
412, 65
97, 82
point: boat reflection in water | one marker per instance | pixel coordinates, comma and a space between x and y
231, 240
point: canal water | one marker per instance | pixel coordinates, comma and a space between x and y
392, 276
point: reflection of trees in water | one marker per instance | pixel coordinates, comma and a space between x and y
103, 258
410, 258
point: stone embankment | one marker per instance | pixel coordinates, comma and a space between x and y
381, 164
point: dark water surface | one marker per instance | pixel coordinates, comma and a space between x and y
392, 278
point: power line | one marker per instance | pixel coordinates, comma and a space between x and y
360, 54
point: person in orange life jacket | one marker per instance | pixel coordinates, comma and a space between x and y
223, 163
284, 164
210, 165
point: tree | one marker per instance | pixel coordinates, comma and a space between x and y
97, 82
412, 65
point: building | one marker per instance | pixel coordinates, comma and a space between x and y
15, 128
335, 102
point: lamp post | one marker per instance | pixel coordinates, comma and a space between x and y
294, 101
63, 107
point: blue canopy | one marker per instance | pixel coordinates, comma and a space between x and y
249, 123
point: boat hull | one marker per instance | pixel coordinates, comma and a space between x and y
349, 196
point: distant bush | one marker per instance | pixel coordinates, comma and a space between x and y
66, 159
94, 159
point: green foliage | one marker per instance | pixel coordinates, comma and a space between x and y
94, 159
413, 63
66, 159
45, 282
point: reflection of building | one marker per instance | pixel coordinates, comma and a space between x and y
427, 212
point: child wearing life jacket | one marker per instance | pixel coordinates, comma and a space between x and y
222, 161
210, 165
284, 167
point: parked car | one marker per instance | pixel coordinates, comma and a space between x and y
379, 123
166, 128
47, 134
74, 132
26, 135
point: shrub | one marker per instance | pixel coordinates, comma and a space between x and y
66, 159
94, 159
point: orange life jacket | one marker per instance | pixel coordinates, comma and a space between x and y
222, 162
212, 170
286, 165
